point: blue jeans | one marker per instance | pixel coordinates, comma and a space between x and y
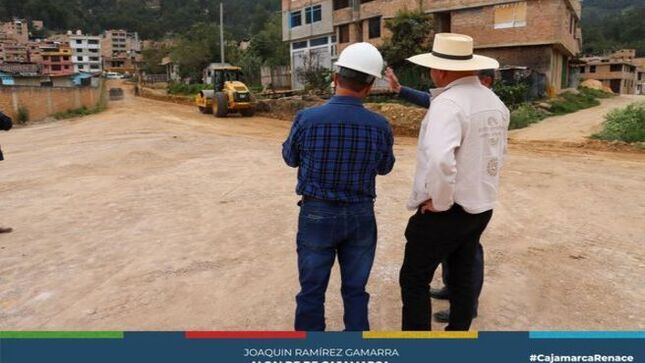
327, 229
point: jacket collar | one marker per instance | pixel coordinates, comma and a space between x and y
346, 100
471, 80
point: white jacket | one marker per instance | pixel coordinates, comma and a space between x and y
462, 144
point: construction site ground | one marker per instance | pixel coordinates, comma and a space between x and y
152, 216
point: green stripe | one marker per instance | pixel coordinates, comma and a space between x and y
61, 335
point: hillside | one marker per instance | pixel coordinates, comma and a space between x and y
613, 24
151, 18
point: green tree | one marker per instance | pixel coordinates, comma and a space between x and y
267, 44
196, 49
412, 34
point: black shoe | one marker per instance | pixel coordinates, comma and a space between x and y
440, 294
5, 230
444, 316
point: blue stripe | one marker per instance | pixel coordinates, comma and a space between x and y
587, 335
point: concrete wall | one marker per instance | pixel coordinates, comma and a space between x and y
325, 26
42, 102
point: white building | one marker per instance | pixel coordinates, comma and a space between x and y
86, 53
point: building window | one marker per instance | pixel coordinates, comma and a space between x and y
56, 67
341, 4
583, 69
592, 69
296, 19
80, 59
79, 50
94, 59
375, 27
343, 34
55, 59
510, 15
94, 66
94, 42
313, 14
78, 41
365, 1
318, 42
616, 68
299, 45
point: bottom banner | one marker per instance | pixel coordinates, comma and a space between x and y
300, 347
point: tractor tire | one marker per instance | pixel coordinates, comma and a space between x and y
248, 112
220, 105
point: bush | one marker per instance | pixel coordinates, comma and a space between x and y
183, 89
626, 124
595, 93
316, 78
569, 102
78, 112
513, 96
526, 115
23, 115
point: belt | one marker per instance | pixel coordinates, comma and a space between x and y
334, 202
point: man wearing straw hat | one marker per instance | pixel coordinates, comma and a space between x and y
462, 143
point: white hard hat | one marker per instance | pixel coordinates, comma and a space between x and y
362, 57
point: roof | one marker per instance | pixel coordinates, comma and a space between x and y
223, 67
21, 69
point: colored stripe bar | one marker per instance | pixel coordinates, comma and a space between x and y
421, 335
60, 335
587, 335
246, 335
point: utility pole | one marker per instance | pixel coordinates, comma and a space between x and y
221, 30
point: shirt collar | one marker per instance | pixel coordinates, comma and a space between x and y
472, 80
346, 100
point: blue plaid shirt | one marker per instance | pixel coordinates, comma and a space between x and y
339, 149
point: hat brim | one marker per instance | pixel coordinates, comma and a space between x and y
477, 63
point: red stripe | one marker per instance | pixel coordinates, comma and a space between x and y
246, 335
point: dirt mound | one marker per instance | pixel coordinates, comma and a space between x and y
597, 85
405, 121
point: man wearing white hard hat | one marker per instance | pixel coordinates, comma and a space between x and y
462, 143
339, 149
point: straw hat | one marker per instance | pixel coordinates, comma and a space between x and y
454, 52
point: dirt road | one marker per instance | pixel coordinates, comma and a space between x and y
574, 127
151, 216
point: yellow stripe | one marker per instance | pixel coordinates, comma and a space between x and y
421, 335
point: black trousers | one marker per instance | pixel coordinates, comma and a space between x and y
451, 236
479, 274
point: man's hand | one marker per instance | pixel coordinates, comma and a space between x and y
428, 207
392, 80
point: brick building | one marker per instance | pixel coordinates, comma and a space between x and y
57, 59
16, 29
11, 51
120, 50
543, 35
618, 71
640, 76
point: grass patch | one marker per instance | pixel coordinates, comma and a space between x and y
569, 103
78, 112
625, 124
525, 115
595, 93
182, 89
